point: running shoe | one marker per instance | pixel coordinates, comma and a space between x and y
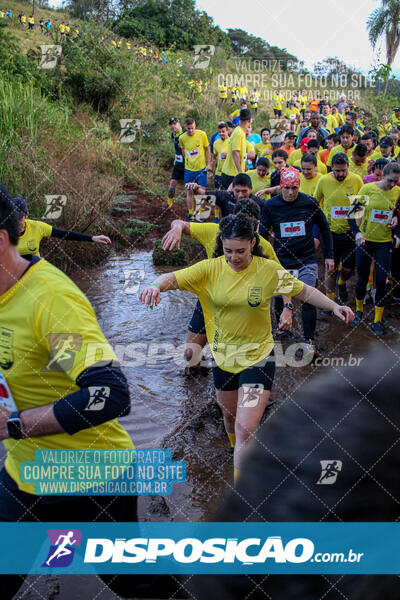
357, 318
308, 346
377, 328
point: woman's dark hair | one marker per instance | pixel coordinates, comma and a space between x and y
239, 227
248, 207
282, 153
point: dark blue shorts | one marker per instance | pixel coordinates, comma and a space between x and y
259, 375
197, 324
199, 177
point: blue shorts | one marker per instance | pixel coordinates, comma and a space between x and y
199, 177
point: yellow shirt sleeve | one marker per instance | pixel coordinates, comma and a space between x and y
319, 193
194, 278
45, 229
205, 139
268, 250
285, 283
68, 324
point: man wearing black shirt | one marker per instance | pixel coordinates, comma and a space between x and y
291, 216
226, 200
179, 164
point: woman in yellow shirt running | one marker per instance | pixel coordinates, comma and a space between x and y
235, 289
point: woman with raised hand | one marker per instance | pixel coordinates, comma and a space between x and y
235, 289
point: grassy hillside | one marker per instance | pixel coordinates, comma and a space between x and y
60, 128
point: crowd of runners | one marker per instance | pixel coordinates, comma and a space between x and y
310, 204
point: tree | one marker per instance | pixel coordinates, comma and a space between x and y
385, 22
250, 46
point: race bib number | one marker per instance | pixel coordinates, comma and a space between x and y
178, 158
6, 399
220, 157
293, 117
194, 153
381, 216
339, 212
293, 229
245, 156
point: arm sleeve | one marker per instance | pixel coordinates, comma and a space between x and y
74, 236
320, 220
205, 140
319, 194
265, 221
103, 396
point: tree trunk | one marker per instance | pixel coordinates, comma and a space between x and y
33, 7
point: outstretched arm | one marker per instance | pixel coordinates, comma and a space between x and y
316, 298
173, 237
150, 295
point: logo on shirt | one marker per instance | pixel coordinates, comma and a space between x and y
63, 348
254, 296
6, 348
62, 547
98, 397
31, 245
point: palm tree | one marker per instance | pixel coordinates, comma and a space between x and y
385, 21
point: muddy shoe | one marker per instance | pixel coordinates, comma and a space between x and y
377, 328
357, 319
308, 346
343, 294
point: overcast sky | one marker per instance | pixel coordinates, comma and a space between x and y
310, 29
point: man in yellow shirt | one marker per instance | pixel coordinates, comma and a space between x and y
331, 122
197, 155
236, 156
32, 232
384, 126
220, 150
278, 100
358, 160
254, 99
346, 145
57, 365
396, 118
309, 176
236, 112
333, 193
292, 113
223, 92
31, 22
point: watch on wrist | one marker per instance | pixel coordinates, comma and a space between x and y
288, 305
14, 426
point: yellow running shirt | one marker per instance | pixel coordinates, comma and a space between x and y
378, 154
295, 156
42, 315
292, 113
361, 170
261, 149
206, 234
336, 150
35, 231
277, 101
194, 146
220, 146
260, 183
333, 197
237, 141
237, 307
308, 186
378, 212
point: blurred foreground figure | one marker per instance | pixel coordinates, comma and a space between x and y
350, 415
